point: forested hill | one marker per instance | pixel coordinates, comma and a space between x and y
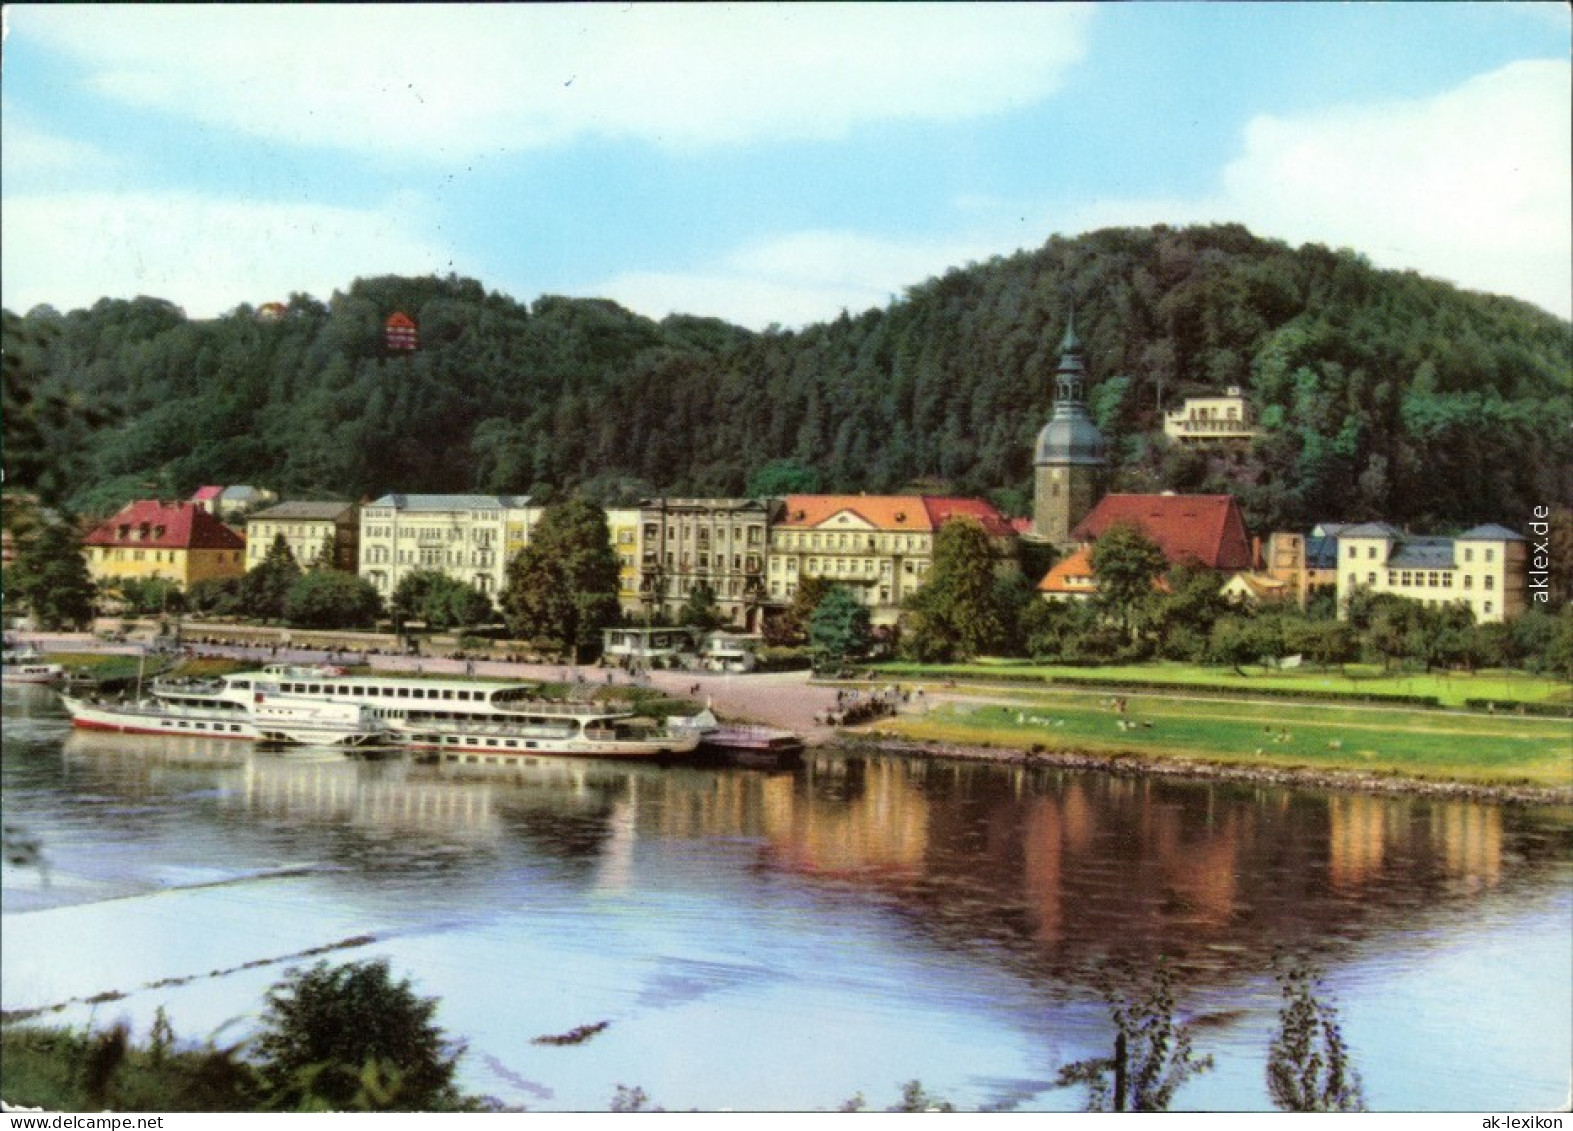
1384, 394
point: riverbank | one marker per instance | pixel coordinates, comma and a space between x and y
1336, 746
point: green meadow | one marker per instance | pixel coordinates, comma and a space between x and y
1430, 745
1451, 689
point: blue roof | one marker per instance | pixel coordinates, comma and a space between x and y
452, 502
1422, 553
1490, 532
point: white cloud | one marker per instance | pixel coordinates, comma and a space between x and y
30, 151
450, 80
207, 255
1472, 185
793, 279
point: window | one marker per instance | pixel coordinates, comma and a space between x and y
1489, 555
1469, 581
1490, 582
1370, 551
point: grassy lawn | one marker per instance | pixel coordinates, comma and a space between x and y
1478, 749
1451, 688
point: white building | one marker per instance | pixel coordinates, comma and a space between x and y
1204, 420
470, 538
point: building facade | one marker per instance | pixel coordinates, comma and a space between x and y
719, 542
470, 538
307, 529
179, 542
1482, 569
879, 546
1070, 460
623, 525
1211, 420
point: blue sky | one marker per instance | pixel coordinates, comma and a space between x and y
762, 163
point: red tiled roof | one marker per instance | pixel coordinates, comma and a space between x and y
166, 526
942, 510
203, 494
1204, 528
921, 513
400, 320
1071, 574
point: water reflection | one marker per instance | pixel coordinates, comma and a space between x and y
1056, 871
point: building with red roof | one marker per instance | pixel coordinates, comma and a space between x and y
1206, 530
179, 542
878, 546
1202, 530
400, 332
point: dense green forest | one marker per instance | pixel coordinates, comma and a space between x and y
1384, 394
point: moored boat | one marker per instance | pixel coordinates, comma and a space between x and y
26, 664
452, 718
259, 712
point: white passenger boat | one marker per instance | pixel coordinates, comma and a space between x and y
463, 719
27, 664
252, 709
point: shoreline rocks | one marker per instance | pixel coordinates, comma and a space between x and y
1134, 764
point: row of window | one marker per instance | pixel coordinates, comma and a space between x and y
1488, 553
859, 540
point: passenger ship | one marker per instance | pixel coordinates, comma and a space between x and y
451, 718
233, 707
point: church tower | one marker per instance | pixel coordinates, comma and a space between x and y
1070, 461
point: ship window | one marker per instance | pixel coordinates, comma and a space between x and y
234, 727
447, 694
243, 684
404, 693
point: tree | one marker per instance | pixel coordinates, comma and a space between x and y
337, 1037
267, 586
700, 610
840, 628
1308, 1065
217, 596
438, 601
330, 599
562, 587
1126, 564
782, 477
1152, 1055
955, 613
50, 577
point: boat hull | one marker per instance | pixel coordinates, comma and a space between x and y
135, 719
445, 746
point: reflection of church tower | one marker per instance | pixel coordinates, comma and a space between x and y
1069, 463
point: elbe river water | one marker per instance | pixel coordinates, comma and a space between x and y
784, 941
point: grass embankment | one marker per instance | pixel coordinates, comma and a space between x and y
72, 1070
1451, 689
1424, 745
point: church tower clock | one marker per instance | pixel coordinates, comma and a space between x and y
1070, 460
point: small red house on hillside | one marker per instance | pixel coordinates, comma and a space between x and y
400, 332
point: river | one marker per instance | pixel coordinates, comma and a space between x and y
785, 941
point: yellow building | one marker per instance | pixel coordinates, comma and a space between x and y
177, 542
878, 546
306, 528
1482, 568
622, 523
470, 538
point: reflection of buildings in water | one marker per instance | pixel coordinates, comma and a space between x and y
1468, 838
1356, 838
854, 817
1198, 862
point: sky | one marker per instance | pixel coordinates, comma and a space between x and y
760, 163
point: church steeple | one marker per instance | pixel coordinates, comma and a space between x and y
1069, 462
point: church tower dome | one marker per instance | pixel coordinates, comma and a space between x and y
1071, 456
